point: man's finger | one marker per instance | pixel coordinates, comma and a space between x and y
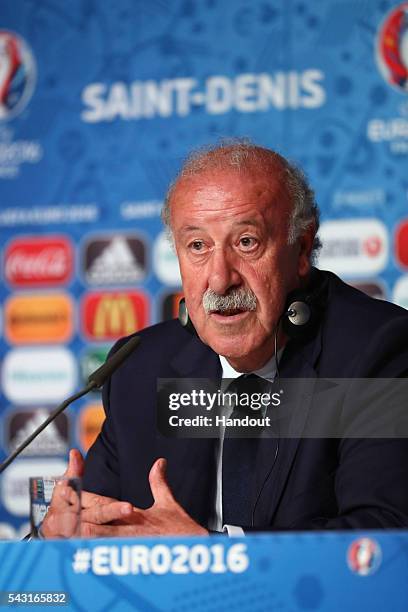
89, 500
61, 496
158, 483
102, 514
76, 464
90, 530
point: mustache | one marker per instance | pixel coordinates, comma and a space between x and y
235, 299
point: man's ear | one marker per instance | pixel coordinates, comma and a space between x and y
305, 242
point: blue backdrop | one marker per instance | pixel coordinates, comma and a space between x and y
99, 103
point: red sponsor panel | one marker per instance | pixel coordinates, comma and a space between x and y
38, 261
108, 315
401, 244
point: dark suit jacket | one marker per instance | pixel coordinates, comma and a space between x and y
311, 483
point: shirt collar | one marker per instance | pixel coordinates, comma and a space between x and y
268, 371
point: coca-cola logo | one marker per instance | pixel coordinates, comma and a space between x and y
42, 261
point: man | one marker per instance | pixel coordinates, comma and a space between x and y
244, 225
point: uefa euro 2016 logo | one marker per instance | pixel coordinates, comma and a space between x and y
17, 74
364, 556
392, 47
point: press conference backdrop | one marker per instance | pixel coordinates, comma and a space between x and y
100, 102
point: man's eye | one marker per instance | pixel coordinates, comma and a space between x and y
247, 242
196, 245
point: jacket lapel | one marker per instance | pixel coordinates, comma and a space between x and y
276, 455
191, 462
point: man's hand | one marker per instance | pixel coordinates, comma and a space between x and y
119, 519
105, 516
60, 518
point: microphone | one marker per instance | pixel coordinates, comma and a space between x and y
106, 370
95, 381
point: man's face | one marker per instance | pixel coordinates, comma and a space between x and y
230, 230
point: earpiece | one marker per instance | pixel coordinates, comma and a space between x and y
184, 318
299, 313
304, 308
183, 313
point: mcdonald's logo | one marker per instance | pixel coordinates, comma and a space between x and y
108, 316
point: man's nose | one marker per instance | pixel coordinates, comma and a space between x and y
223, 272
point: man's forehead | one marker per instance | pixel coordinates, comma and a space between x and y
228, 183
246, 221
228, 201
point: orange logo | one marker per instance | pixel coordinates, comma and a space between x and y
107, 316
90, 424
31, 319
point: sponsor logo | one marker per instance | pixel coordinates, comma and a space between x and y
90, 424
217, 95
364, 556
38, 375
52, 441
170, 305
91, 360
392, 47
17, 81
33, 319
400, 293
115, 259
17, 74
401, 244
371, 288
110, 315
35, 262
165, 261
392, 60
14, 485
354, 246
